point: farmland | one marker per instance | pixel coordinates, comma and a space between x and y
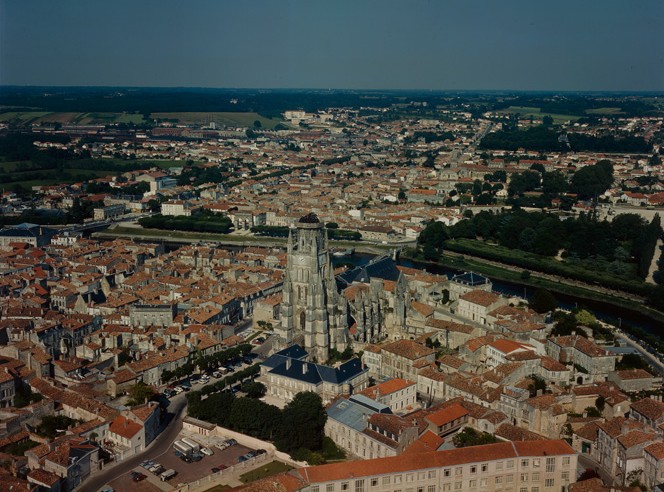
221, 119
530, 111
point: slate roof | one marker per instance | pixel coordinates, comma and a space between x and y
470, 278
355, 413
293, 352
383, 267
311, 373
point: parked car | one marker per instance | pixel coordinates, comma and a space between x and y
231, 442
207, 451
139, 477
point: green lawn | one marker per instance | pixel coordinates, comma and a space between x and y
602, 111
267, 470
218, 488
22, 116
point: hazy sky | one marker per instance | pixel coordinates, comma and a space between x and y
357, 44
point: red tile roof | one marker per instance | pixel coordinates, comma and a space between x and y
436, 459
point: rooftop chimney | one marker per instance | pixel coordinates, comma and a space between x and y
305, 368
288, 364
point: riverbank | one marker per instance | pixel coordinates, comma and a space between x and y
536, 280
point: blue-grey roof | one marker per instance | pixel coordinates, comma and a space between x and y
470, 278
311, 373
352, 413
295, 351
367, 402
383, 267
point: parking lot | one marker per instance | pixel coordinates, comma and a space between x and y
188, 472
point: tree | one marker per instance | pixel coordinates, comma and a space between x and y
254, 389
547, 120
257, 124
303, 421
543, 301
471, 437
139, 394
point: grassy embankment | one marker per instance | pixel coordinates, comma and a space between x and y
508, 273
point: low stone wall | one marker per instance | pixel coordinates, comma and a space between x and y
248, 441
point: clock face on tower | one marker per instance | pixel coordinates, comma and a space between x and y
300, 260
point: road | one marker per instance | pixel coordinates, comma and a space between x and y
161, 444
585, 462
650, 358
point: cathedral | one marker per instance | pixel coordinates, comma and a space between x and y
320, 312
313, 314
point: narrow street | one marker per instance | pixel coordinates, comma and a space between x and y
161, 444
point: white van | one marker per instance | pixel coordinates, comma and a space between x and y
167, 475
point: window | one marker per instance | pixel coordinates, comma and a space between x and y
386, 480
432, 474
565, 460
536, 462
422, 475
374, 482
458, 485
473, 469
410, 477
534, 489
535, 477
548, 483
431, 488
510, 464
510, 478
499, 480
565, 476
485, 467
525, 463
397, 478
458, 470
344, 485
484, 482
473, 483
550, 465
524, 477
315, 488
447, 472
446, 486
329, 487
359, 485
499, 466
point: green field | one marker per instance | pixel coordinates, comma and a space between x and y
20, 117
602, 111
267, 470
527, 111
225, 119
66, 118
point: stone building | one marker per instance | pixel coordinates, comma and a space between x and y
312, 312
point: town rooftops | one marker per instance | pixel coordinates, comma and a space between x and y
480, 297
408, 349
447, 415
437, 459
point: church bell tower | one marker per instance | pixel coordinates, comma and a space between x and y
312, 312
